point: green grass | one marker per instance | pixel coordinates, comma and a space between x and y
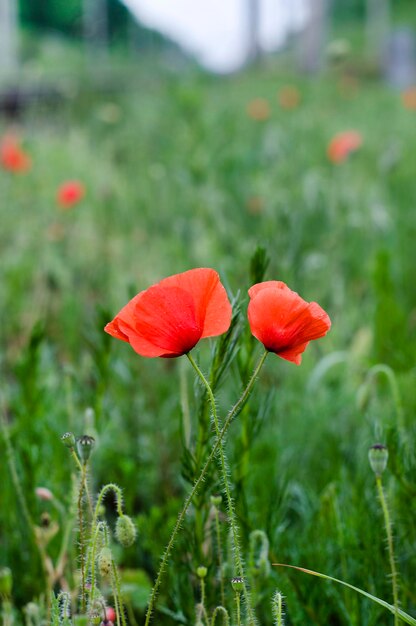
170, 166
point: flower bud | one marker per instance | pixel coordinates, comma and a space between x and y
85, 445
237, 584
104, 561
5, 581
95, 619
216, 500
378, 456
68, 439
125, 531
201, 571
44, 494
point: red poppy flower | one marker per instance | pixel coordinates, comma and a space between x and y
70, 193
288, 97
258, 109
169, 318
13, 158
283, 321
342, 144
409, 99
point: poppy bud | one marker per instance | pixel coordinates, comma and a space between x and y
104, 560
5, 581
110, 614
44, 494
95, 619
201, 571
125, 531
216, 500
85, 445
68, 439
237, 584
378, 456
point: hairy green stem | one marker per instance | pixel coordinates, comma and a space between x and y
218, 534
390, 546
231, 415
230, 504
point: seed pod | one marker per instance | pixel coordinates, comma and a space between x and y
378, 456
104, 561
201, 571
237, 584
216, 500
125, 531
68, 439
85, 445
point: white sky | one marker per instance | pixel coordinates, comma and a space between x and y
214, 31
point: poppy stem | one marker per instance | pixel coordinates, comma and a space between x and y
234, 411
227, 489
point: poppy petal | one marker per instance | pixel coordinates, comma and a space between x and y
212, 307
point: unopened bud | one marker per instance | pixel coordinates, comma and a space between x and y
216, 500
85, 445
5, 581
68, 439
104, 561
44, 494
95, 619
125, 531
237, 584
378, 456
201, 571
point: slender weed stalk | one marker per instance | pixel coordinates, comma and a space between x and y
227, 488
235, 410
216, 501
378, 456
277, 609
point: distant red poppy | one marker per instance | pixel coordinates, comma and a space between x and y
169, 318
288, 97
259, 109
282, 321
409, 99
70, 193
342, 144
12, 157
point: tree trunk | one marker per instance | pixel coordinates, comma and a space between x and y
253, 18
312, 38
377, 27
95, 26
8, 36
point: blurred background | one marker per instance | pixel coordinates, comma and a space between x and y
264, 138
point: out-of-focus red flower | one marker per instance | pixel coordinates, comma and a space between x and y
342, 144
288, 97
255, 205
259, 109
282, 321
169, 318
12, 156
70, 193
110, 614
43, 493
409, 99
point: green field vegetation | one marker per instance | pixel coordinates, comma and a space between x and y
179, 176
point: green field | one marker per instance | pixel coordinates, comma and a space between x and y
178, 176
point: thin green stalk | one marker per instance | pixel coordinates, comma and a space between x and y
381, 368
390, 545
119, 501
224, 612
237, 601
81, 540
225, 477
117, 593
231, 415
83, 469
218, 533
